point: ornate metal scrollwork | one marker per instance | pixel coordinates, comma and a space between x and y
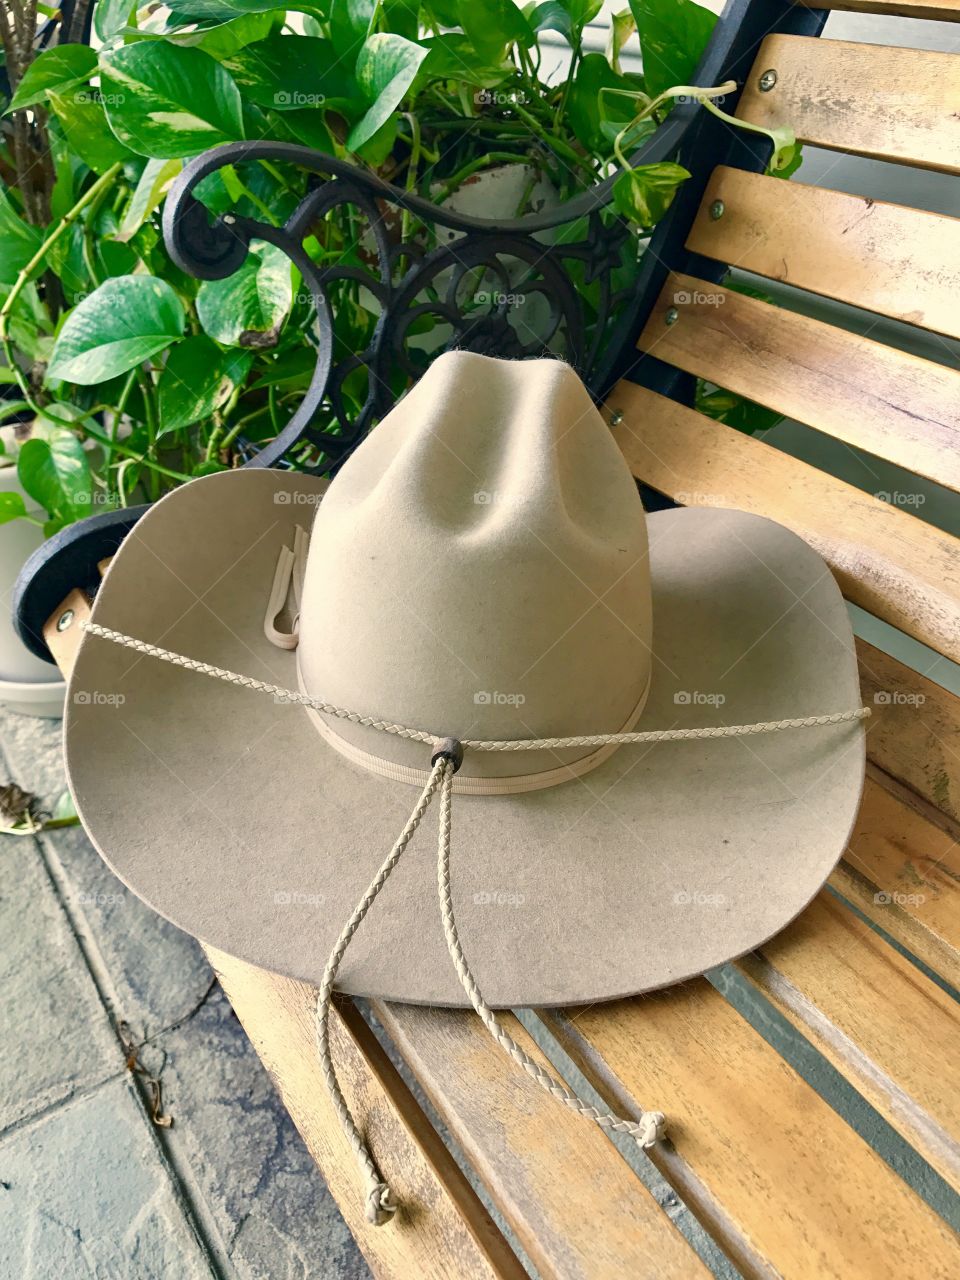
552, 282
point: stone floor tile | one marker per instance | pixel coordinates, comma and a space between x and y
273, 1213
56, 1036
85, 1193
156, 973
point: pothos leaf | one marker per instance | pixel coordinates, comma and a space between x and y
569, 17
123, 322
19, 241
196, 380
82, 115
386, 68
622, 27
645, 194
56, 70
167, 102
147, 195
12, 506
673, 35
53, 470
248, 308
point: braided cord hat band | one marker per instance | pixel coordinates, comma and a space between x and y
447, 754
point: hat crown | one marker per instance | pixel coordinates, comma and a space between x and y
479, 569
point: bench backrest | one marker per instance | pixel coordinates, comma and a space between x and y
890, 260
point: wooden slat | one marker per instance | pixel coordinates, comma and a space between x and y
914, 732
902, 870
874, 397
861, 1003
775, 1174
874, 100
65, 645
888, 258
575, 1205
890, 563
441, 1227
935, 10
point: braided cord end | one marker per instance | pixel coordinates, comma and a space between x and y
380, 1204
652, 1127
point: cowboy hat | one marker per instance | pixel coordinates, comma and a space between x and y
480, 570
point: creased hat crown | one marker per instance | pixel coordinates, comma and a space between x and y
479, 569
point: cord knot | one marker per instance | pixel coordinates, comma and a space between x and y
380, 1205
448, 749
652, 1127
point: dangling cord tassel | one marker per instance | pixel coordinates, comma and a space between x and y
651, 1125
380, 1204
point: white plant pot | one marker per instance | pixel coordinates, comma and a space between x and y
496, 194
27, 684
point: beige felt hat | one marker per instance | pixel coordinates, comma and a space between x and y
481, 569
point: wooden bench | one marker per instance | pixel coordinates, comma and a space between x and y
788, 1176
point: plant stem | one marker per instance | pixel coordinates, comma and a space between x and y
135, 455
150, 415
238, 426
117, 415
36, 262
269, 167
257, 203
89, 251
412, 167
574, 63
466, 106
475, 165
557, 144
213, 444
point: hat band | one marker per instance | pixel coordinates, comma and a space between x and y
515, 784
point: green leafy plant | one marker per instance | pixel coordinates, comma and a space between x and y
123, 377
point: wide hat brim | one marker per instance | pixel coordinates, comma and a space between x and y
231, 816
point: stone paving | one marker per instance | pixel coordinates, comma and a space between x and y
90, 1185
